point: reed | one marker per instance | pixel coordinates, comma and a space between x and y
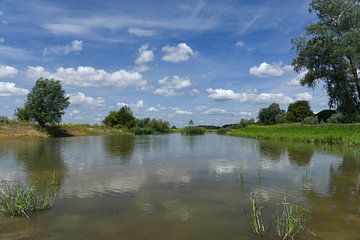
193, 130
256, 219
18, 200
292, 220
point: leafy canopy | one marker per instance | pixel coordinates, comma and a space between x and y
298, 111
329, 52
270, 114
45, 103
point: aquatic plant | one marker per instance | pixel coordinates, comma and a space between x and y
193, 130
142, 131
292, 220
16, 200
255, 218
242, 175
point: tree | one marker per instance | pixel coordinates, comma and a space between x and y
191, 123
123, 117
329, 51
268, 115
45, 103
298, 110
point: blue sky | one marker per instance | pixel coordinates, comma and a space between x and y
210, 61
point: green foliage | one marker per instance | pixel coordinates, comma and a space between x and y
123, 117
292, 220
45, 103
298, 110
311, 120
268, 115
193, 130
17, 200
4, 119
329, 51
336, 118
281, 118
142, 130
191, 123
324, 115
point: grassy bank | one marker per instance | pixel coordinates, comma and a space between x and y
28, 130
347, 134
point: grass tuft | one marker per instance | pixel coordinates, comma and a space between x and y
255, 218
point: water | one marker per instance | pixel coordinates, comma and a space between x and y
177, 187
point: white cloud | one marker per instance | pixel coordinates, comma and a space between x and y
214, 111
270, 70
75, 46
139, 104
183, 112
168, 86
181, 52
85, 76
10, 89
152, 109
140, 32
145, 56
304, 96
2, 40
74, 112
227, 94
296, 80
81, 99
7, 71
240, 44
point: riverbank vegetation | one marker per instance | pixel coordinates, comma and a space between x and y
192, 130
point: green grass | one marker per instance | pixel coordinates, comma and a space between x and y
347, 134
142, 131
193, 130
256, 219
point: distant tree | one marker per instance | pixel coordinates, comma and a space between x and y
298, 110
123, 117
324, 115
45, 103
268, 115
191, 123
329, 51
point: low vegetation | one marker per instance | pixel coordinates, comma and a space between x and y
289, 222
192, 130
347, 134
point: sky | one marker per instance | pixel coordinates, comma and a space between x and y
213, 62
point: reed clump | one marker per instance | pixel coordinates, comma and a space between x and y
289, 222
19, 200
193, 130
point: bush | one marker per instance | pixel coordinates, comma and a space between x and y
336, 118
122, 117
192, 130
268, 115
280, 118
299, 110
311, 120
142, 131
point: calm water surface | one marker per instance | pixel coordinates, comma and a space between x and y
176, 187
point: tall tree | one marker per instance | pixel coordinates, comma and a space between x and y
270, 114
329, 51
45, 103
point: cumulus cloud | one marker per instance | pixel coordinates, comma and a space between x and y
304, 96
9, 89
296, 80
152, 109
85, 76
145, 56
75, 46
228, 94
139, 104
214, 111
74, 112
179, 53
183, 112
81, 99
140, 32
7, 71
270, 70
168, 86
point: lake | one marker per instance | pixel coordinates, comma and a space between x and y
179, 187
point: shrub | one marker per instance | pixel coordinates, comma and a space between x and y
192, 130
311, 120
280, 118
142, 131
336, 118
299, 110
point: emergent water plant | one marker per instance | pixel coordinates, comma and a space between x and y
292, 220
17, 200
